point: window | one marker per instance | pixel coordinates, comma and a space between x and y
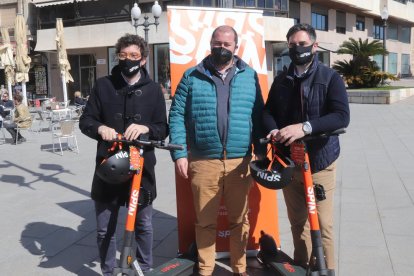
162, 65
320, 21
340, 22
319, 18
202, 3
378, 61
112, 58
272, 6
392, 31
360, 23
392, 63
378, 31
83, 72
294, 11
281, 62
324, 57
405, 65
405, 34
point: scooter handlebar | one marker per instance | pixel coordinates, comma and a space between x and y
325, 134
310, 137
264, 140
160, 144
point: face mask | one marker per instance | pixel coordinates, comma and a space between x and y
301, 55
221, 56
129, 67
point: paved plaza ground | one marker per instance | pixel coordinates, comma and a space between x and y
48, 223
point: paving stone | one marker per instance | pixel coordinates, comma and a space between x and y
48, 221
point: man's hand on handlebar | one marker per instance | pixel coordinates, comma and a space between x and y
107, 133
134, 131
288, 134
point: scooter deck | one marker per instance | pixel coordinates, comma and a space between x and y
176, 266
281, 264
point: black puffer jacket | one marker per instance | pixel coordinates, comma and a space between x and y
115, 104
325, 106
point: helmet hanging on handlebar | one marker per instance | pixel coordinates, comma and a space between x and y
115, 169
275, 174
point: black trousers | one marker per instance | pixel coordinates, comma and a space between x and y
106, 218
11, 128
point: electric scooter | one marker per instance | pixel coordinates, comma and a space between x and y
128, 265
269, 254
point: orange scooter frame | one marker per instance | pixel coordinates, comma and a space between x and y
128, 264
319, 266
279, 261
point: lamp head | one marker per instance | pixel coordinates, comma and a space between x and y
135, 12
156, 10
384, 13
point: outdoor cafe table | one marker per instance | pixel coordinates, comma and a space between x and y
60, 114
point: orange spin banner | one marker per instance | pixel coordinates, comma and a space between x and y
190, 31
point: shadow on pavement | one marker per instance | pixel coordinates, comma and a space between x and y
55, 170
73, 250
55, 248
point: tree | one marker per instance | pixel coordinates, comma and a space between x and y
361, 71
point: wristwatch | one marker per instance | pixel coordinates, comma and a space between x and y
307, 128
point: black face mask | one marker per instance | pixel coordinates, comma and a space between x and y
129, 67
301, 55
221, 56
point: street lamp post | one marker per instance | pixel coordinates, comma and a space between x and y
384, 17
136, 14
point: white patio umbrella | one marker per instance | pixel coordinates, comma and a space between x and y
63, 61
6, 56
22, 59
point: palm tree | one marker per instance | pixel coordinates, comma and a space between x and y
361, 71
362, 48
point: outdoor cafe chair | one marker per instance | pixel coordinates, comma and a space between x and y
3, 139
39, 120
65, 130
20, 129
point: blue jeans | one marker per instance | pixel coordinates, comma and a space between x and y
106, 220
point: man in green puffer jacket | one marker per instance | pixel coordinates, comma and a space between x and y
216, 114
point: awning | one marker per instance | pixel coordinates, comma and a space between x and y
44, 3
79, 37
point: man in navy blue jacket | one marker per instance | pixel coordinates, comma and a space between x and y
308, 98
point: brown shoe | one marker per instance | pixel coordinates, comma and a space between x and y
240, 274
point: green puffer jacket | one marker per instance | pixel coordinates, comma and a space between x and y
193, 115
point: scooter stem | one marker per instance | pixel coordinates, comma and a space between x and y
129, 266
317, 249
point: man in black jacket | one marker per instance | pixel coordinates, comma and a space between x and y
309, 98
130, 103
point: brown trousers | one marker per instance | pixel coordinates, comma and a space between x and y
212, 180
294, 195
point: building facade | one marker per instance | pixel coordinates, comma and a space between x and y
91, 28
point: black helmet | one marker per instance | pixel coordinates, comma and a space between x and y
115, 169
272, 175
